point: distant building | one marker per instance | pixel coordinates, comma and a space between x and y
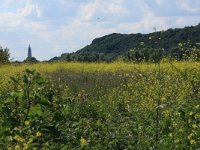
29, 52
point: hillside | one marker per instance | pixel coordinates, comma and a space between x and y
110, 47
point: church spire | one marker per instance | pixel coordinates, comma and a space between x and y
29, 52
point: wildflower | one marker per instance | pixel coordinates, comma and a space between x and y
46, 144
30, 141
25, 146
180, 130
178, 113
166, 112
193, 131
38, 134
170, 134
17, 147
126, 74
192, 142
190, 136
18, 138
7, 129
180, 44
177, 141
191, 113
162, 98
83, 142
16, 129
194, 126
174, 124
197, 116
27, 123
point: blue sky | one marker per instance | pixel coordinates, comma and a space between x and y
53, 27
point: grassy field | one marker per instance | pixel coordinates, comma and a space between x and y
100, 106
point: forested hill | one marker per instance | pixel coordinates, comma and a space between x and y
110, 47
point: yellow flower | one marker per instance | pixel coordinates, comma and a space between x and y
194, 126
177, 141
83, 142
46, 144
192, 142
17, 147
170, 134
38, 134
197, 116
27, 123
191, 113
178, 113
180, 130
162, 98
190, 136
25, 146
174, 124
30, 141
17, 138
16, 129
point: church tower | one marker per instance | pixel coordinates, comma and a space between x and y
29, 52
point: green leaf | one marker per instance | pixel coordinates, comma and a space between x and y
43, 101
58, 117
35, 110
16, 94
40, 80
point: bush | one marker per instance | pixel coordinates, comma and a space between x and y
4, 55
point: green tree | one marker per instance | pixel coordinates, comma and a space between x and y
31, 60
4, 55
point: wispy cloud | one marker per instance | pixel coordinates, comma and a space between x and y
101, 7
13, 19
159, 2
189, 5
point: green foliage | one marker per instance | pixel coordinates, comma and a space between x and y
154, 109
4, 55
31, 60
145, 54
146, 46
30, 114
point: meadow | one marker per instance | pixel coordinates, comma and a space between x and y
71, 105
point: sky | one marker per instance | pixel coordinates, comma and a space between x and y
53, 27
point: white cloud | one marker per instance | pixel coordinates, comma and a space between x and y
29, 9
17, 18
186, 21
189, 5
159, 2
89, 10
146, 24
116, 7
